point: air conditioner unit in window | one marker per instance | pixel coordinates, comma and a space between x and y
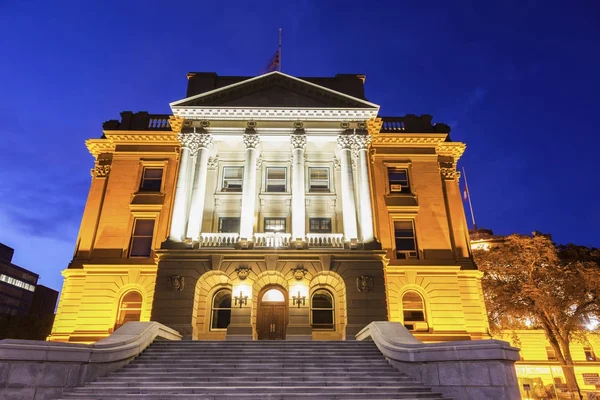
396, 188
420, 326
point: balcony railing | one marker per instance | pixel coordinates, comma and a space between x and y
325, 239
219, 239
272, 239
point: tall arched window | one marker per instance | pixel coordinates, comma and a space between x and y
130, 308
413, 309
221, 309
322, 310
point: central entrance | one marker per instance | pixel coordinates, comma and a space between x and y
272, 316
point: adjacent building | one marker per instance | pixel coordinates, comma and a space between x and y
273, 207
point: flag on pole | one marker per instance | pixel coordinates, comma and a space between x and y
275, 63
465, 194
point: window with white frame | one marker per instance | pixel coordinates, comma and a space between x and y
276, 179
274, 224
130, 308
406, 242
318, 179
232, 179
221, 310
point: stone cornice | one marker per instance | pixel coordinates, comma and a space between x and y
99, 146
424, 139
272, 114
108, 145
451, 149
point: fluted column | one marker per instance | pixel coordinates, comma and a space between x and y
249, 186
199, 189
361, 144
349, 208
189, 147
298, 140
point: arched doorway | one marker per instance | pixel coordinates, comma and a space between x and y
272, 318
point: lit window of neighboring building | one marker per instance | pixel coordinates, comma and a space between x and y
221, 310
274, 224
551, 354
412, 309
276, 179
319, 225
151, 179
406, 242
318, 179
16, 282
229, 224
130, 309
589, 354
322, 310
141, 240
232, 179
398, 180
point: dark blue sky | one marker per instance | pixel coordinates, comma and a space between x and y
516, 80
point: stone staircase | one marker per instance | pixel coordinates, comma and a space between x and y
256, 370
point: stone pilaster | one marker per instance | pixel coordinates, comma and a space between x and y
298, 140
345, 141
251, 140
199, 189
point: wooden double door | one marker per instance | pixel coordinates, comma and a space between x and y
272, 318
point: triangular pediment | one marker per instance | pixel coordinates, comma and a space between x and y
276, 90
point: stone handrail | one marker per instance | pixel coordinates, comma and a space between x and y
218, 239
159, 122
460, 369
325, 239
42, 370
272, 239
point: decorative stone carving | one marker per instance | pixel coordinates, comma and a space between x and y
449, 173
243, 272
176, 123
189, 140
251, 140
298, 125
345, 141
298, 141
344, 125
361, 142
299, 272
362, 125
364, 283
213, 162
188, 123
337, 164
176, 282
251, 124
205, 141
259, 162
205, 123
101, 169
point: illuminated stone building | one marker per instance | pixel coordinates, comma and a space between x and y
273, 207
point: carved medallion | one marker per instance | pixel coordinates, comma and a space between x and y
344, 125
298, 124
364, 283
299, 273
176, 283
251, 124
204, 123
243, 272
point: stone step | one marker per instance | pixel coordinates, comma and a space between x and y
270, 396
303, 383
256, 374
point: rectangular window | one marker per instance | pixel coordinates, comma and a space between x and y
232, 179
398, 180
319, 225
151, 179
276, 180
141, 240
589, 354
229, 225
318, 179
551, 354
406, 242
274, 224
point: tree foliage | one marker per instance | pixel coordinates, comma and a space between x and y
529, 282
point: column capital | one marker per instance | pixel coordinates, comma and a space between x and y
345, 141
361, 141
251, 139
298, 139
194, 141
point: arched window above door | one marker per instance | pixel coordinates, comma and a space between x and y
221, 309
273, 295
130, 308
322, 310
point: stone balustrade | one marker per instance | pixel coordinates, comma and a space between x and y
272, 239
474, 369
325, 239
219, 239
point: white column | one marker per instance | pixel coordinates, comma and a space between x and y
349, 208
249, 185
361, 143
189, 146
199, 189
298, 140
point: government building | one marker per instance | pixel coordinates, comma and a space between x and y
273, 208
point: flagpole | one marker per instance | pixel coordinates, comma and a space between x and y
279, 49
469, 198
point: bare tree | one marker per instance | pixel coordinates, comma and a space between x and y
529, 282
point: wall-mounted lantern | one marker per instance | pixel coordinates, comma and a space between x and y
241, 299
298, 299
